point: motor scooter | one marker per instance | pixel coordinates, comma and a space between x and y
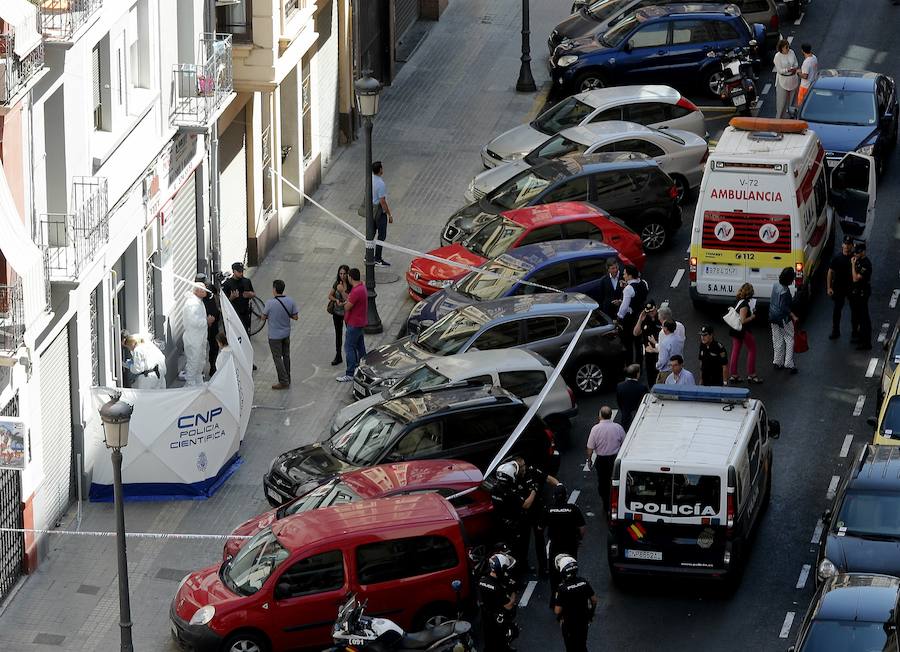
734, 82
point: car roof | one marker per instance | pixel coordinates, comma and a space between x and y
616, 95
543, 214
382, 479
538, 303
363, 517
439, 399
879, 468
463, 365
692, 8
591, 163
742, 145
847, 80
605, 130
859, 597
542, 253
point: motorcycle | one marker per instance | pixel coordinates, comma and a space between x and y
734, 82
354, 631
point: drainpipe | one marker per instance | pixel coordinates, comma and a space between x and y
209, 21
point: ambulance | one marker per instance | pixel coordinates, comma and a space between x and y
765, 204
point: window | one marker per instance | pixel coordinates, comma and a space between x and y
614, 113
544, 234
610, 183
571, 190
640, 146
385, 561
556, 147
306, 109
590, 270
724, 31
646, 113
554, 276
638, 179
483, 380
419, 442
138, 41
598, 319
316, 574
470, 428
98, 82
236, 19
673, 111
568, 113
651, 36
753, 6
753, 449
692, 31
523, 383
582, 229
542, 328
501, 336
821, 194
681, 494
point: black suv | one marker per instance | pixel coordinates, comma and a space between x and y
468, 423
626, 185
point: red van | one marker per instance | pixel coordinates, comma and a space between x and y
283, 588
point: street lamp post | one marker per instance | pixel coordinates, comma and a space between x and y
525, 83
116, 417
367, 92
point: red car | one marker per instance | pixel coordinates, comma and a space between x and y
523, 226
444, 477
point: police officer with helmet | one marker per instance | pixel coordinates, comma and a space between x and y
532, 478
511, 500
497, 594
565, 529
574, 604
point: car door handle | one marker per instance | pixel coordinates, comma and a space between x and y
661, 51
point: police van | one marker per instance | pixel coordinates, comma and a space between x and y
764, 204
690, 482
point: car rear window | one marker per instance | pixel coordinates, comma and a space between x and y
673, 494
753, 6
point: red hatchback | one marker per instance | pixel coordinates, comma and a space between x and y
444, 477
519, 227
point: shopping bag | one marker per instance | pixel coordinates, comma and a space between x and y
801, 341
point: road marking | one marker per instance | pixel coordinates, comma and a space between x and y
882, 336
845, 448
870, 370
766, 89
759, 106
817, 533
786, 626
526, 594
832, 487
287, 421
800, 19
677, 279
804, 575
860, 401
894, 296
574, 496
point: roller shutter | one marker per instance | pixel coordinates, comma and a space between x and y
56, 428
406, 13
183, 230
233, 192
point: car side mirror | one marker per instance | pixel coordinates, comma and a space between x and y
712, 54
628, 47
791, 649
872, 421
456, 585
826, 515
774, 428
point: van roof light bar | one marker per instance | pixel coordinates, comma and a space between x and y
701, 394
775, 125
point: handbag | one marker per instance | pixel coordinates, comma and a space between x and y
329, 307
733, 319
801, 341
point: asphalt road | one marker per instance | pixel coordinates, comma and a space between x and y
818, 409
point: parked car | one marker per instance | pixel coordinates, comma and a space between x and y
543, 323
519, 371
889, 363
852, 611
655, 44
443, 477
568, 265
680, 154
468, 423
516, 228
853, 111
629, 186
887, 425
283, 588
651, 105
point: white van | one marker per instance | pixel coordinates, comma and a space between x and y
764, 205
690, 482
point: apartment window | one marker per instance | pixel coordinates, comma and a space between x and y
100, 85
97, 90
306, 110
94, 316
138, 42
237, 20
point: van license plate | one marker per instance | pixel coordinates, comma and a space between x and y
271, 494
653, 555
721, 270
359, 389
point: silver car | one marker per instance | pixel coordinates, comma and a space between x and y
651, 105
681, 154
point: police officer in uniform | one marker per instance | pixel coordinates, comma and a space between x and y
535, 479
574, 604
838, 283
565, 530
511, 500
860, 291
497, 595
713, 359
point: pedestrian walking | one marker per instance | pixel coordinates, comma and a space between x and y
838, 282
713, 358
537, 480
225, 353
381, 214
860, 291
604, 441
609, 294
743, 338
629, 394
355, 319
634, 295
782, 320
340, 290
566, 528
787, 80
809, 72
574, 604
647, 329
679, 375
498, 597
148, 363
239, 291
278, 314
670, 344
213, 321
193, 317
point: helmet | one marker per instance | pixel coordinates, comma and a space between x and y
566, 565
508, 471
500, 563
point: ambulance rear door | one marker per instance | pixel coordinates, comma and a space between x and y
852, 194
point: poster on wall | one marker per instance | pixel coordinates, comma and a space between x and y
12, 443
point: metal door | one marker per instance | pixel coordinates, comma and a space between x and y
183, 237
374, 38
56, 429
12, 544
406, 12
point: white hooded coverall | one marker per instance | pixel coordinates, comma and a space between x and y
144, 357
193, 316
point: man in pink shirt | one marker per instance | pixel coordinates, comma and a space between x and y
355, 319
605, 441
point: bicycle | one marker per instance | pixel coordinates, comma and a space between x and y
256, 305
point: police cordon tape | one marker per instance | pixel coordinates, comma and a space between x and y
128, 535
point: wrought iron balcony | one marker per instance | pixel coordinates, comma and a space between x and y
15, 71
12, 316
201, 89
60, 19
71, 240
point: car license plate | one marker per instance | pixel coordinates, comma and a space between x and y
274, 496
415, 288
358, 388
831, 162
652, 555
721, 270
739, 100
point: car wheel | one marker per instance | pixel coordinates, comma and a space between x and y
432, 616
682, 187
589, 377
653, 235
712, 82
246, 642
588, 81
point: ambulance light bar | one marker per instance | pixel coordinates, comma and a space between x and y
772, 125
701, 394
724, 165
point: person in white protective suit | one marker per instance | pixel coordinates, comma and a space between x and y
193, 316
148, 363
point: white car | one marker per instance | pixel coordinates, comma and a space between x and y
652, 105
518, 371
680, 154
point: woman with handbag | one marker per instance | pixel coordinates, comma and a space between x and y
744, 314
787, 81
782, 319
335, 308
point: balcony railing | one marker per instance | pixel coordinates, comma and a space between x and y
71, 240
12, 316
60, 19
15, 72
201, 89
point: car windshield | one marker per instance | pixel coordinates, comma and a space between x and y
603, 9
837, 107
447, 335
869, 513
890, 424
556, 147
423, 377
497, 279
673, 494
494, 238
333, 492
246, 573
614, 37
363, 440
568, 113
841, 635
519, 190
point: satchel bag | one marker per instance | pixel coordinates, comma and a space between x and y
733, 319
801, 341
329, 307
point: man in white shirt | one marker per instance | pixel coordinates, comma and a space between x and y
672, 346
679, 375
665, 314
809, 72
381, 211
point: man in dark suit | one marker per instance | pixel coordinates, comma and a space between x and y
629, 394
610, 293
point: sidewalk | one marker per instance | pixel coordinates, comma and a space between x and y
455, 93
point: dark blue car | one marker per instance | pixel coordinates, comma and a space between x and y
853, 111
568, 265
655, 45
